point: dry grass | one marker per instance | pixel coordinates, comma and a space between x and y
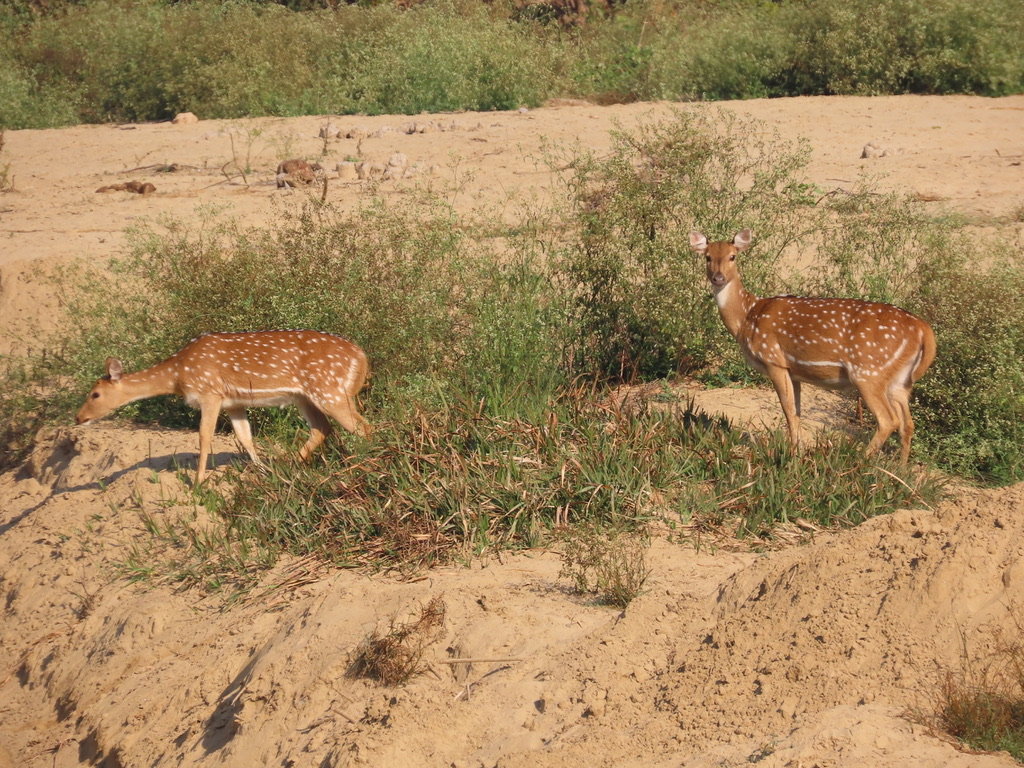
395, 656
982, 703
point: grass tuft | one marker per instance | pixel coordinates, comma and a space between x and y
982, 703
396, 655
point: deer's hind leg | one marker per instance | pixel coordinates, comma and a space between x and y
243, 431
320, 427
345, 411
899, 397
886, 413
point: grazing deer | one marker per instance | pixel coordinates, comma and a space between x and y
319, 372
878, 349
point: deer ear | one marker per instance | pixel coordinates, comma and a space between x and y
742, 239
114, 369
698, 242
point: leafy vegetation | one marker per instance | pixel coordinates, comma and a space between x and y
614, 566
106, 60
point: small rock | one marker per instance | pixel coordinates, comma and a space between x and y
347, 170
184, 118
875, 149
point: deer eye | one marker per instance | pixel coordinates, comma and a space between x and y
95, 395
732, 257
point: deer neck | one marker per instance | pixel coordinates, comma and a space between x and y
160, 379
734, 304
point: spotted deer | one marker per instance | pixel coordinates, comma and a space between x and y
878, 349
319, 372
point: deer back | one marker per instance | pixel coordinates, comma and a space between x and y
833, 342
270, 367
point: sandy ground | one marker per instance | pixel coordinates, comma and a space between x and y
814, 655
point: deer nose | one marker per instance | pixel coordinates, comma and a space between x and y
718, 278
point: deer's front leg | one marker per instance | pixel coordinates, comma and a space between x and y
789, 398
210, 410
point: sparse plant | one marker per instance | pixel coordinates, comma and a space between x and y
610, 564
394, 656
240, 161
283, 144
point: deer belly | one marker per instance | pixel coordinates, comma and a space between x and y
830, 374
255, 398
802, 365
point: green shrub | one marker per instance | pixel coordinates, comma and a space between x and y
24, 105
395, 280
147, 59
444, 57
751, 50
611, 62
641, 303
737, 55
910, 46
970, 415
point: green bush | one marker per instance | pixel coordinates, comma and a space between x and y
724, 56
395, 280
105, 60
970, 412
23, 105
445, 57
909, 46
752, 50
146, 61
641, 305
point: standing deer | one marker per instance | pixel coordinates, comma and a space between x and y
878, 349
319, 372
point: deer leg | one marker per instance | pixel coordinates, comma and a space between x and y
789, 398
900, 398
885, 414
243, 431
347, 414
319, 428
209, 410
